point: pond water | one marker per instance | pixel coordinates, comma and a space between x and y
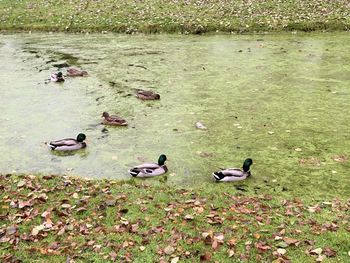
282, 100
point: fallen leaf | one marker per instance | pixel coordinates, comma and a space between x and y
215, 244
329, 252
169, 250
11, 230
175, 260
316, 251
142, 248
232, 242
205, 257
22, 204
110, 202
189, 217
281, 251
282, 244
21, 183
291, 241
37, 229
262, 246
231, 253
113, 256
320, 258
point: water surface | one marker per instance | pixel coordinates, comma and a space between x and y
282, 100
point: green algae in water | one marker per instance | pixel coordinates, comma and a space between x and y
279, 99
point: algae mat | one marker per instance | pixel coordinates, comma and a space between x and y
282, 100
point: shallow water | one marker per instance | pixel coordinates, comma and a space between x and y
282, 100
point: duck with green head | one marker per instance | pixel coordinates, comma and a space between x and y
57, 77
234, 174
150, 169
69, 144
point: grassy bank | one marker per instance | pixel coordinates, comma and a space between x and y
62, 219
174, 16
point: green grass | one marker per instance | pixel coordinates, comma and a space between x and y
190, 16
144, 222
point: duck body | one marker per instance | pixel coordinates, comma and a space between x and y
234, 174
57, 77
150, 169
113, 120
147, 95
69, 144
73, 72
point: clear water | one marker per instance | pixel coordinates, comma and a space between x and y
278, 99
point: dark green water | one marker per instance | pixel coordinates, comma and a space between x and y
279, 99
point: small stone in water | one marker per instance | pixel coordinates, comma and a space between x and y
200, 125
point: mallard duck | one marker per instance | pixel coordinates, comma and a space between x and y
234, 174
113, 120
147, 95
57, 77
73, 72
69, 144
150, 169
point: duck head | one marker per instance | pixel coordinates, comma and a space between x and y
105, 114
81, 137
161, 159
246, 165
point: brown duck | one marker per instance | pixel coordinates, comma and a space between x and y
147, 95
73, 72
113, 120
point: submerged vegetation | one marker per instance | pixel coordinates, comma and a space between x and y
66, 219
190, 16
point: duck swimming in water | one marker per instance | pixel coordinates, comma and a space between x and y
234, 174
113, 120
147, 95
57, 77
69, 144
150, 169
73, 72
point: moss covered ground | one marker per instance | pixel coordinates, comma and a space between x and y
190, 16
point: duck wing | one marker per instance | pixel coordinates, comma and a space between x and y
145, 92
148, 170
63, 142
230, 174
116, 119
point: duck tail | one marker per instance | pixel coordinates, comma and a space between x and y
218, 176
52, 146
134, 172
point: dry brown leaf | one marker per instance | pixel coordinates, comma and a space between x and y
329, 252
205, 257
